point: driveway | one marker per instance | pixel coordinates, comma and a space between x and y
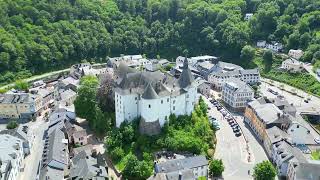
234, 151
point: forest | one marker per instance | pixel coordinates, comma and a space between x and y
38, 36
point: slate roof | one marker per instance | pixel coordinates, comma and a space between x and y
186, 78
179, 164
238, 85
268, 112
17, 98
149, 93
86, 167
162, 84
308, 171
275, 134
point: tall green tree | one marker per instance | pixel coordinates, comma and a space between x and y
247, 54
267, 59
264, 171
216, 167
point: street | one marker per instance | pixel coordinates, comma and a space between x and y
312, 105
233, 150
31, 161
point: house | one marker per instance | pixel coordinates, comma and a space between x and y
20, 106
303, 170
76, 70
193, 60
76, 134
69, 83
295, 53
55, 157
292, 65
25, 138
67, 97
221, 72
261, 44
154, 96
204, 87
273, 135
259, 115
274, 46
237, 93
46, 94
84, 166
204, 68
248, 16
38, 83
11, 157
190, 168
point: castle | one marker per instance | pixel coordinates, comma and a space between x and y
153, 96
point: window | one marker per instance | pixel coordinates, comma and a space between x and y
174, 108
135, 98
149, 106
174, 101
161, 101
168, 100
166, 117
187, 95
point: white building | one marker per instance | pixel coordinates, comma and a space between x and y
187, 168
11, 157
292, 65
153, 96
248, 16
237, 93
274, 46
295, 53
193, 60
261, 44
222, 72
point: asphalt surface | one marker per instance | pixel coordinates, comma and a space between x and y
31, 162
234, 151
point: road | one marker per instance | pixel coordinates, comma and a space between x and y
31, 162
312, 105
309, 67
233, 150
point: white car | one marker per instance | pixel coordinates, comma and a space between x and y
317, 140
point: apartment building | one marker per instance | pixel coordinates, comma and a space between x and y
237, 93
20, 105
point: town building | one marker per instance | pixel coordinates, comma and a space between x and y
154, 96
76, 134
55, 157
46, 94
204, 87
84, 166
221, 72
188, 168
237, 93
67, 97
274, 46
11, 157
193, 60
303, 170
292, 65
133, 61
261, 44
20, 106
248, 16
295, 53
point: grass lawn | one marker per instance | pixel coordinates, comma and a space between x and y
315, 155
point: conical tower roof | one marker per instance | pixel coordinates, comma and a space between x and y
186, 78
149, 93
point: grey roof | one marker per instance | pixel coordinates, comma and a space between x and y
149, 93
238, 86
186, 174
17, 98
186, 78
55, 148
267, 112
179, 164
249, 71
205, 65
86, 167
308, 171
67, 94
162, 84
275, 134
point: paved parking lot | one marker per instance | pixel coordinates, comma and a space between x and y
233, 150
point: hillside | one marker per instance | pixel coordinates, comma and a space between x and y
42, 35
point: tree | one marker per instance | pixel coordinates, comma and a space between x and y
21, 85
203, 106
267, 60
136, 169
12, 124
264, 171
216, 167
247, 54
85, 103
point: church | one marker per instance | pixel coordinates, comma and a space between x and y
152, 97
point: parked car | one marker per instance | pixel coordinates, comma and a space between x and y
238, 134
306, 101
230, 122
317, 140
235, 130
